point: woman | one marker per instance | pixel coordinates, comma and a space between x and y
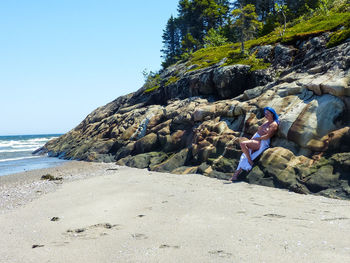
258, 143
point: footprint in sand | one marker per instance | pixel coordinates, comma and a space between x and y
35, 246
139, 236
274, 216
241, 212
335, 218
220, 253
91, 232
168, 246
60, 244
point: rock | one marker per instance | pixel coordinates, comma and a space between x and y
256, 176
316, 120
322, 179
198, 117
125, 151
185, 170
264, 52
337, 87
230, 81
283, 55
146, 144
143, 160
218, 175
173, 162
174, 142
276, 163
253, 93
224, 165
51, 178
202, 168
201, 113
341, 164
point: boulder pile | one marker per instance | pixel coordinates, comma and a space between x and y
194, 123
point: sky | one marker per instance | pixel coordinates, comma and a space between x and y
62, 59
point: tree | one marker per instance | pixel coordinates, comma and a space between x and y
324, 6
214, 38
197, 17
189, 44
281, 8
171, 42
246, 21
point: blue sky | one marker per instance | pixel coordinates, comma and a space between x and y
61, 59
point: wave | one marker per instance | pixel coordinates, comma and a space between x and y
19, 158
19, 150
36, 142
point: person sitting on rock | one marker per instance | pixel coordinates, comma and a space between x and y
258, 143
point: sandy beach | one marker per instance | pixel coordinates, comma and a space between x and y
108, 213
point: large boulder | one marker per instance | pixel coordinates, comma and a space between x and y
231, 81
173, 162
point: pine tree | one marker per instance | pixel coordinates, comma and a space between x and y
171, 42
214, 38
197, 17
246, 21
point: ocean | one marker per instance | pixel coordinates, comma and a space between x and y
16, 153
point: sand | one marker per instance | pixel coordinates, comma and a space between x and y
108, 213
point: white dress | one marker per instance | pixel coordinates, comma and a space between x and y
243, 161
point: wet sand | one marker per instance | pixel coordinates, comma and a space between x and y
108, 213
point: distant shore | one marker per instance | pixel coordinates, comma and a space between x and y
107, 213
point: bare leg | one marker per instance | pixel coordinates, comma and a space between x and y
250, 144
235, 175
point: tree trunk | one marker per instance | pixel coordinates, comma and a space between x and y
242, 43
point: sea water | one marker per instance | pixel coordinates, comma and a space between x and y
16, 153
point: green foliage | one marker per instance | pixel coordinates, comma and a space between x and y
270, 25
185, 56
171, 80
186, 33
246, 21
206, 57
149, 90
299, 30
304, 29
214, 38
208, 23
239, 58
338, 37
324, 6
189, 43
282, 9
171, 42
152, 81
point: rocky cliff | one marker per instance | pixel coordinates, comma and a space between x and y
193, 121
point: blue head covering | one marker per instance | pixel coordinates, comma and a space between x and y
275, 116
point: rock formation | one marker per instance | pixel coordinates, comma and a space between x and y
193, 123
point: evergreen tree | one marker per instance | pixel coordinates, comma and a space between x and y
197, 17
214, 38
189, 44
171, 42
246, 21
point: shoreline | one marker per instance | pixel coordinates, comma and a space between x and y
18, 189
102, 212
